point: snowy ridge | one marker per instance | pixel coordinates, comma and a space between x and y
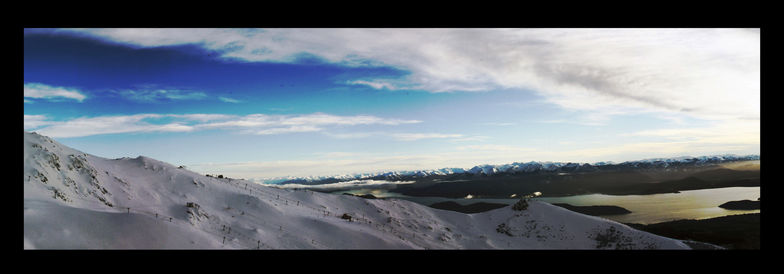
518, 167
76, 200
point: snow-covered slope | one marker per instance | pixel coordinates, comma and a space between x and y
76, 200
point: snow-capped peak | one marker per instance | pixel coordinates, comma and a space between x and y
520, 167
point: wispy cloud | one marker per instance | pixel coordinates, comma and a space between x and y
229, 100
291, 129
497, 148
265, 124
352, 135
469, 156
143, 94
419, 136
203, 117
708, 73
726, 132
327, 165
500, 124
404, 136
475, 138
260, 124
43, 91
465, 157
640, 150
87, 126
376, 84
337, 154
159, 95
588, 118
327, 119
35, 121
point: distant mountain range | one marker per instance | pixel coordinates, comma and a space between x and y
532, 167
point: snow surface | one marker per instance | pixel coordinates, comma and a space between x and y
73, 200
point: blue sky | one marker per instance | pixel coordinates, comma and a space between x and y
302, 102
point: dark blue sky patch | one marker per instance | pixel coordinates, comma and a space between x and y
107, 71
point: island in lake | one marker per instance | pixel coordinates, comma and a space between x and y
472, 208
741, 205
596, 210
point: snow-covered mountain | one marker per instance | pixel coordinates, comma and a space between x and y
76, 200
518, 168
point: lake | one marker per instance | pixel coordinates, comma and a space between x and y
656, 208
646, 209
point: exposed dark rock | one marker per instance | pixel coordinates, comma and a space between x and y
346, 217
520, 205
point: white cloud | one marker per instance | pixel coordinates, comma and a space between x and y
38, 90
708, 73
644, 150
247, 121
203, 117
419, 136
709, 140
327, 119
376, 84
725, 132
475, 138
352, 135
500, 124
35, 121
156, 95
469, 156
291, 129
147, 94
405, 136
260, 124
337, 154
496, 148
87, 126
229, 100
274, 124
325, 166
